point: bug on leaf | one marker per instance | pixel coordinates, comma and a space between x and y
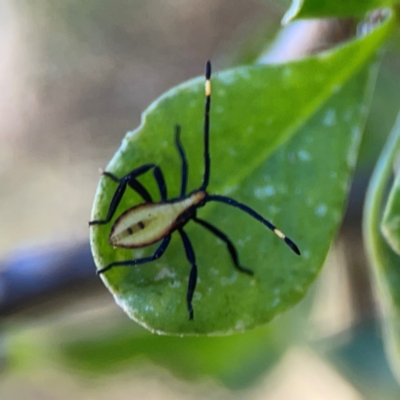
151, 222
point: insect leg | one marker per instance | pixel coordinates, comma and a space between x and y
159, 177
129, 179
157, 254
141, 190
193, 272
254, 214
135, 185
183, 160
230, 245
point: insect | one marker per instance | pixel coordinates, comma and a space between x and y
152, 222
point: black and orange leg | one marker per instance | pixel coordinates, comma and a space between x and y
206, 128
193, 271
231, 248
255, 215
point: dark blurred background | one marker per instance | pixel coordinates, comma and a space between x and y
74, 78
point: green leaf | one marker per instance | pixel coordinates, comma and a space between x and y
300, 9
254, 110
384, 261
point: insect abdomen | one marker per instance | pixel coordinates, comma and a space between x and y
148, 223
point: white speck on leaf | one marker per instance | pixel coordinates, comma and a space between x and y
304, 155
330, 117
263, 192
139, 253
321, 210
175, 284
229, 281
164, 273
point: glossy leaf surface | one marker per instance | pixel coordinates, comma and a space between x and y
301, 187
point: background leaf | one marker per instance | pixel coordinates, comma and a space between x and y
384, 261
299, 188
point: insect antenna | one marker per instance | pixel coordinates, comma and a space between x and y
254, 214
206, 177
